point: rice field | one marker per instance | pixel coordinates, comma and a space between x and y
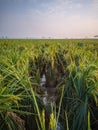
48, 84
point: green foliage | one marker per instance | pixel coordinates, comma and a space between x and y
72, 64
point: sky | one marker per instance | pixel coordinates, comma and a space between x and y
48, 18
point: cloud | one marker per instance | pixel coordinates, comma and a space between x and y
94, 4
54, 18
55, 9
60, 6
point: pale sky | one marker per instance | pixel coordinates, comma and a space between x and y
48, 18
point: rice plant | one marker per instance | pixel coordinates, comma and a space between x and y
71, 71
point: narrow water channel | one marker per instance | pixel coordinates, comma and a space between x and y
49, 97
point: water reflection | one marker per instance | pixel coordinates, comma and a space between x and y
49, 97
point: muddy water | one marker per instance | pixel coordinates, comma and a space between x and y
49, 94
49, 97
